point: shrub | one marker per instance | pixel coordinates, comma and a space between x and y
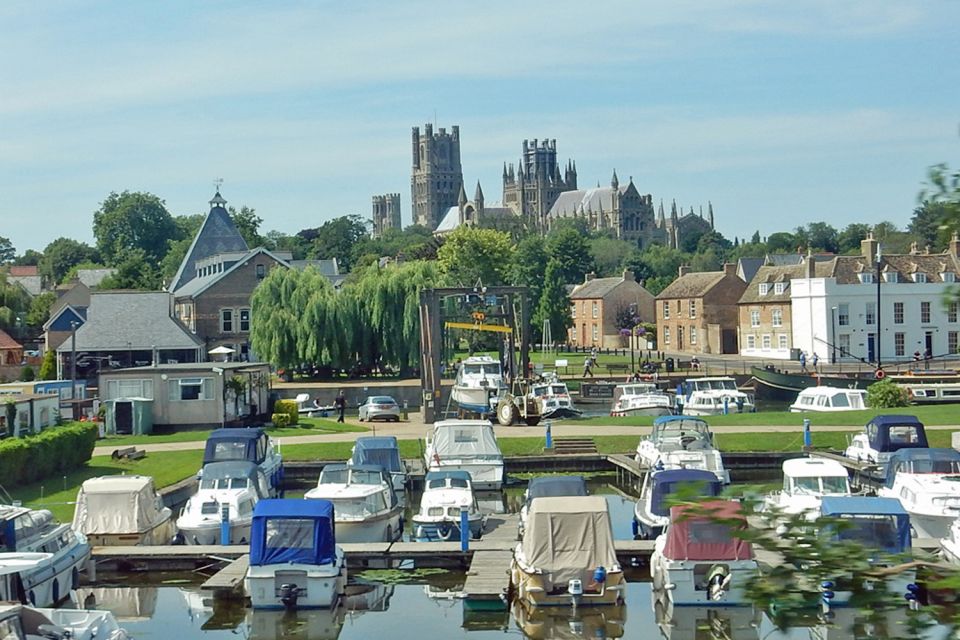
27, 374
280, 419
887, 394
54, 451
288, 407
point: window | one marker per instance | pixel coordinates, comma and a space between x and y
139, 388
924, 312
244, 319
948, 276
693, 308
666, 310
952, 312
783, 343
897, 313
191, 389
871, 314
666, 335
899, 342
919, 276
596, 334
844, 344
754, 317
843, 314
596, 310
261, 271
866, 278
890, 276
779, 287
573, 311
226, 320
693, 334
951, 342
762, 288
766, 341
777, 316
751, 342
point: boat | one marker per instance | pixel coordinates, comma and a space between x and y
884, 435
466, 445
652, 511
681, 442
829, 399
554, 398
712, 396
20, 622
236, 486
365, 506
640, 399
805, 482
549, 486
439, 517
295, 561
252, 444
384, 451
781, 386
46, 557
561, 623
699, 561
927, 483
567, 555
932, 392
122, 510
950, 543
478, 385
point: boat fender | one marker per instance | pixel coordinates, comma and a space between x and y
636, 528
600, 575
445, 531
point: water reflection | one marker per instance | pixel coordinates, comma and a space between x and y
126, 603
562, 623
704, 623
307, 624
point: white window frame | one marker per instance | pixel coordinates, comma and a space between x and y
693, 308
870, 313
866, 277
240, 321
573, 310
666, 309
595, 333
224, 320
783, 341
666, 335
899, 343
948, 276
776, 316
177, 386
129, 388
763, 288
754, 317
765, 341
919, 276
751, 341
897, 313
596, 309
891, 276
925, 313
693, 334
779, 287
843, 314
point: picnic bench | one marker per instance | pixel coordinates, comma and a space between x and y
620, 368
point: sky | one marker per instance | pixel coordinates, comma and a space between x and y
779, 114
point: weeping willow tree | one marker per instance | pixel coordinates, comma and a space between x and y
275, 318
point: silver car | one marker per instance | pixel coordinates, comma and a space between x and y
380, 408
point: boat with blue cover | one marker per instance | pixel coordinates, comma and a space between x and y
444, 493
295, 561
252, 444
383, 451
884, 435
652, 511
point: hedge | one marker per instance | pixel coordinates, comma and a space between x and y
288, 407
54, 451
280, 419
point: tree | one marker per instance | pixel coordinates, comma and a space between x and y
470, 254
7, 251
929, 223
63, 254
821, 237
40, 310
248, 224
133, 271
657, 261
14, 305
848, 240
554, 305
783, 242
571, 250
943, 188
133, 221
528, 265
30, 258
48, 368
609, 255
274, 320
334, 239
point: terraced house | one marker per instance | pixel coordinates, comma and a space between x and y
698, 312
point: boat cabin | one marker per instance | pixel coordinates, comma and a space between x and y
815, 476
124, 505
235, 474
555, 486
292, 532
670, 482
880, 523
694, 536
20, 526
680, 432
886, 434
378, 450
252, 445
923, 461
830, 399
718, 383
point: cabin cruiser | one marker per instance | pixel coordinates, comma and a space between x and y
44, 556
236, 486
554, 399
466, 445
829, 399
549, 486
365, 505
652, 513
122, 510
698, 561
884, 435
713, 396
950, 544
384, 451
805, 482
640, 399
932, 392
478, 385
251, 444
294, 558
681, 442
19, 622
567, 555
444, 493
927, 483
562, 623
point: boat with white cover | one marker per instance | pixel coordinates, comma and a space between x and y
384, 451
554, 398
652, 511
567, 555
236, 486
295, 561
20, 622
122, 510
927, 483
444, 495
478, 385
829, 400
466, 445
805, 482
366, 508
884, 435
640, 399
712, 396
681, 442
251, 444
547, 487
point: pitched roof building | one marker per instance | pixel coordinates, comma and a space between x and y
697, 312
598, 306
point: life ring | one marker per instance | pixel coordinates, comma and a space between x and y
445, 531
880, 374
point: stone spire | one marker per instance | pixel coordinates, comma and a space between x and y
462, 198
478, 197
614, 181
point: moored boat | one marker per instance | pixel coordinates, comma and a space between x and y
19, 622
366, 508
445, 494
681, 442
466, 445
547, 487
782, 386
236, 486
478, 385
640, 399
253, 445
829, 399
122, 510
383, 451
652, 511
884, 435
927, 483
805, 482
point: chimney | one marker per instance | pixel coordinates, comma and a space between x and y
868, 248
914, 249
730, 268
955, 245
810, 266
590, 276
684, 270
628, 276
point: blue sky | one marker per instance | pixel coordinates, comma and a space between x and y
780, 114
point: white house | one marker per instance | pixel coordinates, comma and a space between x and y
836, 315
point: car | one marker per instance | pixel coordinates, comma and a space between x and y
380, 408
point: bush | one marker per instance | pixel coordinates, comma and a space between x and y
887, 394
49, 453
27, 374
280, 419
288, 407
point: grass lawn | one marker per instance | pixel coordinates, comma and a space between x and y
306, 427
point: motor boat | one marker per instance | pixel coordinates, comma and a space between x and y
549, 486
698, 560
478, 385
932, 392
829, 399
20, 622
681, 442
122, 510
884, 435
641, 399
466, 445
366, 508
253, 445
713, 396
805, 482
236, 486
42, 558
567, 555
562, 623
310, 624
950, 544
439, 517
652, 511
554, 398
927, 483
384, 451
295, 561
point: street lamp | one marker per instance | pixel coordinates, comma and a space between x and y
833, 335
73, 357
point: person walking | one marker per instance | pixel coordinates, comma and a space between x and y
815, 360
341, 405
587, 364
803, 361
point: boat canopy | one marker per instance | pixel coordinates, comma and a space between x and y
676, 423
438, 479
292, 531
922, 461
894, 432
692, 536
566, 536
556, 486
465, 439
881, 522
118, 504
236, 444
381, 450
353, 474
813, 468
233, 470
669, 481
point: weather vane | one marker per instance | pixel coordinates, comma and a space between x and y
218, 182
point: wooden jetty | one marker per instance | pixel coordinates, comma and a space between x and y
488, 579
863, 475
228, 582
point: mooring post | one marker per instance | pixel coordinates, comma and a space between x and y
726, 405
549, 436
807, 437
464, 528
225, 523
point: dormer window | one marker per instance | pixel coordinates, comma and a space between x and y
890, 276
919, 276
764, 287
779, 287
866, 278
948, 276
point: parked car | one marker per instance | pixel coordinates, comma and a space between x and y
380, 408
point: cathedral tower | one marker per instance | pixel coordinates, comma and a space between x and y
536, 184
436, 177
386, 213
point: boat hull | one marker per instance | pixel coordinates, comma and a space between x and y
318, 586
444, 530
561, 412
209, 532
784, 387
48, 582
482, 400
162, 533
531, 591
386, 526
483, 476
653, 411
683, 582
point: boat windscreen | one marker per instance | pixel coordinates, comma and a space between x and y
878, 532
334, 476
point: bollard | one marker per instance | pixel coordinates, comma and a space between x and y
406, 410
726, 405
224, 524
464, 528
549, 436
807, 438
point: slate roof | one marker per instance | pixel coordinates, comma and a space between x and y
691, 285
595, 289
217, 234
121, 320
327, 267
772, 274
747, 268
198, 285
596, 199
6, 342
93, 277
848, 268
451, 219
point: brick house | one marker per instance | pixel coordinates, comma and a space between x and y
596, 304
698, 312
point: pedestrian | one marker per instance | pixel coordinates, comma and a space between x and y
587, 364
341, 405
803, 361
814, 361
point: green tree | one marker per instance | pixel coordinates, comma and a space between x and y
783, 242
40, 310
63, 254
334, 239
274, 320
48, 368
929, 224
529, 264
554, 305
248, 224
134, 270
943, 188
891, 238
14, 305
571, 249
848, 240
609, 255
7, 250
132, 221
470, 254
821, 237
30, 257
657, 261
887, 394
